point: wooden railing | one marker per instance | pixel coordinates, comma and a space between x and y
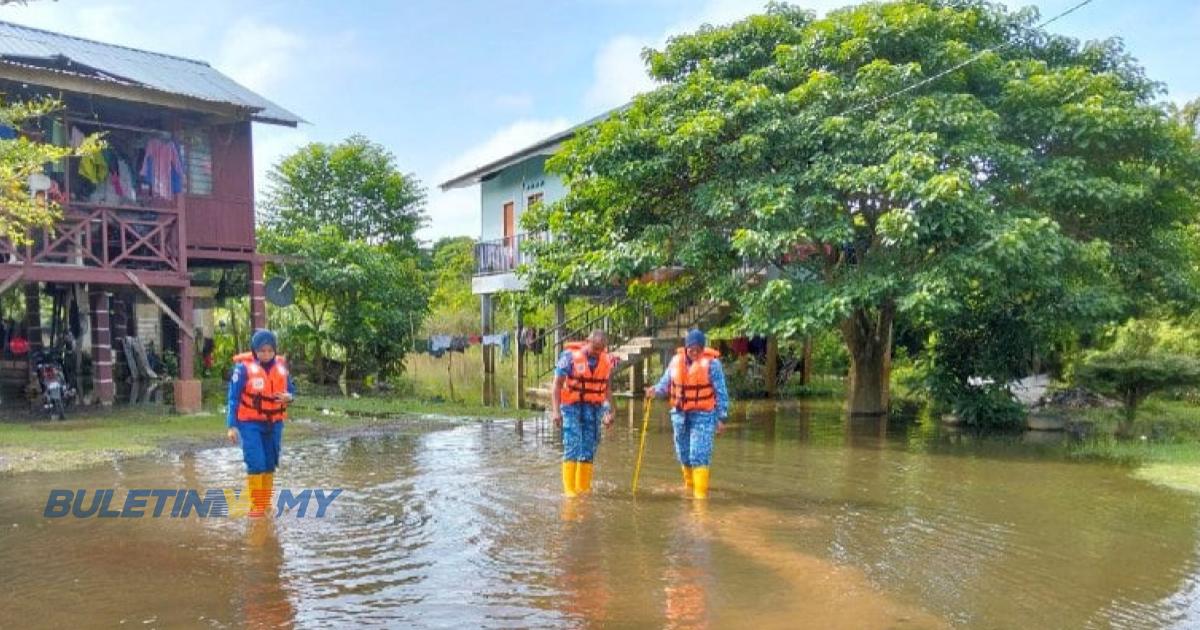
105, 237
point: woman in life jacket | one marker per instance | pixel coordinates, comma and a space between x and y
260, 391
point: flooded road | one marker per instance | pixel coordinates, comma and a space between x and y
814, 521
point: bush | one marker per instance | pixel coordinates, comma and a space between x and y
1133, 377
991, 406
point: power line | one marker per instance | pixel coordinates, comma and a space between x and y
976, 57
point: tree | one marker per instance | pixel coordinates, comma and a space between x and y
348, 217
353, 185
21, 157
1135, 377
364, 298
887, 159
454, 309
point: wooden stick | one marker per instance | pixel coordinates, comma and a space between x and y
13, 279
160, 304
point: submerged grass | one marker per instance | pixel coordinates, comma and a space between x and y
1163, 442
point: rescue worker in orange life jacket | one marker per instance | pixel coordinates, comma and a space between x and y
580, 396
695, 382
260, 391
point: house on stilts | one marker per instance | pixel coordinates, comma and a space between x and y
169, 201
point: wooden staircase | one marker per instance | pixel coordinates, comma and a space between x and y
664, 339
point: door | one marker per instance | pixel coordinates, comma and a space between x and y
510, 232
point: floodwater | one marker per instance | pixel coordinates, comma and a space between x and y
814, 521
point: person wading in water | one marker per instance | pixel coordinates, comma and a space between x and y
699, 405
580, 397
260, 391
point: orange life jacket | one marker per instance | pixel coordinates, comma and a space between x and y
257, 402
584, 384
691, 386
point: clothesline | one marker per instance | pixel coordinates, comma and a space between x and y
438, 345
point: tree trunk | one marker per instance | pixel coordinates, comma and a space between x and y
868, 337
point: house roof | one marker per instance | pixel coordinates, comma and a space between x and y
546, 145
24, 47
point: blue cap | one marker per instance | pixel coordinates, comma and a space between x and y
263, 337
694, 338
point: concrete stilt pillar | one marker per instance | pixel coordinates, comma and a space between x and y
520, 359
487, 301
637, 377
188, 396
102, 355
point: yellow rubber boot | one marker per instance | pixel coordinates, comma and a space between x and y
700, 482
254, 485
268, 490
687, 476
569, 469
583, 477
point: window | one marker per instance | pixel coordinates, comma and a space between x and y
198, 159
533, 201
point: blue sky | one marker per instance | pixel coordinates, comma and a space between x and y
447, 85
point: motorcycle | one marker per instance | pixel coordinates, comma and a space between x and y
52, 379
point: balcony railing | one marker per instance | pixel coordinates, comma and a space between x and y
503, 255
104, 237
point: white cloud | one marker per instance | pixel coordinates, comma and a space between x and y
456, 212
259, 56
620, 73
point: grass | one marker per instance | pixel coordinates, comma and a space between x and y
93, 436
1163, 442
381, 406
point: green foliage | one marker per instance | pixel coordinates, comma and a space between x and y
366, 299
21, 157
1142, 357
454, 309
345, 216
829, 354
1027, 194
1133, 377
353, 185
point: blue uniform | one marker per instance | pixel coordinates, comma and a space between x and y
261, 441
694, 430
581, 421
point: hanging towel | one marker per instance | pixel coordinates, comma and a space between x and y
439, 343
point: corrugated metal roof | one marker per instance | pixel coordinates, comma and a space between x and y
176, 75
545, 145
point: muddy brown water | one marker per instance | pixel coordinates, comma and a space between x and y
814, 521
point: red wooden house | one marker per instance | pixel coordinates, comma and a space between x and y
171, 195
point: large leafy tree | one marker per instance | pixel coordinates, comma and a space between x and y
345, 219
364, 298
911, 158
353, 185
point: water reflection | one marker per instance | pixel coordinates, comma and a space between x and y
815, 520
264, 602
